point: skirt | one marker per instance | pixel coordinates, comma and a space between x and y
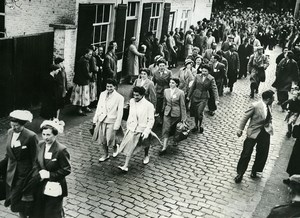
93, 91
169, 126
81, 95
132, 143
197, 108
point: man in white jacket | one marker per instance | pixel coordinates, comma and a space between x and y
108, 117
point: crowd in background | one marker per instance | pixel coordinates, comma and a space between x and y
215, 53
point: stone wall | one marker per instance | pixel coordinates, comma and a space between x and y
34, 16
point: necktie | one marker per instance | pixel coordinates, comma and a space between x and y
269, 116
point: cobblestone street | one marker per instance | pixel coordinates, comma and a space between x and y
194, 179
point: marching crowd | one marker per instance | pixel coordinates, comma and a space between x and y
216, 53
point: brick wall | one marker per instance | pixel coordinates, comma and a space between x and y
34, 16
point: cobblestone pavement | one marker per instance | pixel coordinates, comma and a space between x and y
194, 179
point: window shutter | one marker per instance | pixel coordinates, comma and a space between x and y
145, 20
120, 28
166, 17
86, 18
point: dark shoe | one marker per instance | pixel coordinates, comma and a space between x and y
286, 181
252, 95
256, 91
288, 134
238, 178
162, 152
195, 129
231, 89
211, 113
253, 175
201, 130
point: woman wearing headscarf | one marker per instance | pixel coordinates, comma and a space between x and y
199, 95
144, 81
21, 146
174, 111
51, 168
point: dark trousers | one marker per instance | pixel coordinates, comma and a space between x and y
262, 143
282, 96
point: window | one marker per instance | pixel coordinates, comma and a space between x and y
132, 10
102, 25
184, 19
2, 20
155, 17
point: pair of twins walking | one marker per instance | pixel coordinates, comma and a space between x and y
108, 118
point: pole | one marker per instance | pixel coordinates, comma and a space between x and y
297, 7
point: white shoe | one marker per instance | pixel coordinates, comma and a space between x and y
104, 158
116, 152
146, 160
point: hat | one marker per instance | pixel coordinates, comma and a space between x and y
54, 67
58, 60
22, 115
158, 57
230, 37
196, 48
188, 61
55, 123
132, 39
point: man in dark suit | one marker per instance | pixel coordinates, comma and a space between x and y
245, 51
149, 51
258, 133
110, 63
233, 65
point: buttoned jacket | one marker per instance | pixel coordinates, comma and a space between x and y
174, 105
110, 110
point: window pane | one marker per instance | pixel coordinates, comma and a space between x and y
153, 10
151, 25
128, 9
133, 9
2, 6
104, 33
106, 13
187, 14
157, 9
99, 14
97, 30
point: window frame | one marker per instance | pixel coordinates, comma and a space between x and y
157, 17
97, 24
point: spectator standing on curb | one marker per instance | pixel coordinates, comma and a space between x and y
149, 52
61, 77
51, 95
258, 133
133, 60
93, 81
172, 49
139, 124
107, 119
110, 63
81, 91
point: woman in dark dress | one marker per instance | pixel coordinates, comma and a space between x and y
50, 94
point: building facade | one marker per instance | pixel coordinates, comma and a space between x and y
97, 22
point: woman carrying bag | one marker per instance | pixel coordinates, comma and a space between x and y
50, 169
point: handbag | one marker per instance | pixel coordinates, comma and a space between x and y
92, 129
182, 131
53, 189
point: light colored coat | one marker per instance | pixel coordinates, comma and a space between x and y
141, 116
110, 110
133, 60
257, 115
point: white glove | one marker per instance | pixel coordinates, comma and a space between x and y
44, 174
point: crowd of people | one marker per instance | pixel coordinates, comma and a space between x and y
215, 54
